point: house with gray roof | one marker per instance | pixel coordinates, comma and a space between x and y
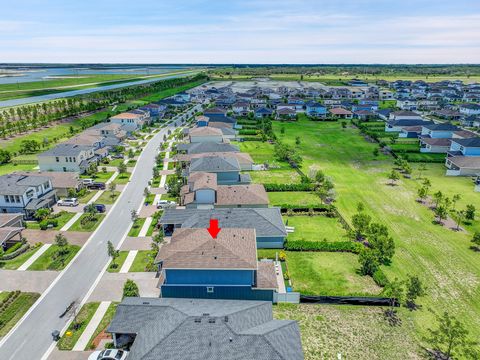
67, 157
25, 194
199, 329
196, 265
465, 147
206, 147
268, 224
11, 226
227, 169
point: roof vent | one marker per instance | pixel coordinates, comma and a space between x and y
145, 303
211, 321
205, 314
198, 320
230, 339
225, 319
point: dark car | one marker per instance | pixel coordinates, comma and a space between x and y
96, 186
100, 208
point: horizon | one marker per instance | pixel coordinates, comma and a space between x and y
263, 32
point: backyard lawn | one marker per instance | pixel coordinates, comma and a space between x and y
440, 257
89, 225
315, 228
262, 153
62, 219
324, 273
50, 261
297, 198
275, 176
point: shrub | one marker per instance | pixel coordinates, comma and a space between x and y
380, 278
336, 246
282, 256
130, 289
13, 248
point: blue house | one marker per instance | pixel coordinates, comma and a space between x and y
263, 113
267, 222
202, 120
439, 131
465, 147
196, 265
315, 109
227, 168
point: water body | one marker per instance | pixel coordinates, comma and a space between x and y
19, 74
34, 99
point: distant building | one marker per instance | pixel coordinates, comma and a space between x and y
67, 157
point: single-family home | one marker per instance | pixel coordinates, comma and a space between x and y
244, 159
227, 169
448, 114
214, 111
263, 112
315, 109
11, 226
286, 113
67, 157
462, 165
405, 115
465, 147
196, 265
206, 147
364, 115
469, 109
205, 134
62, 182
412, 132
202, 120
202, 191
434, 145
241, 108
130, 121
439, 131
26, 194
397, 125
340, 113
267, 222
200, 329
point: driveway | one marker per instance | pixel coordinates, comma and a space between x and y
48, 236
110, 287
136, 243
28, 281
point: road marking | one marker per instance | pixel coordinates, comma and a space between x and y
34, 257
84, 339
128, 261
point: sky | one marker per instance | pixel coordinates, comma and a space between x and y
246, 31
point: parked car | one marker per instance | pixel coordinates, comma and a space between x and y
165, 204
110, 354
96, 186
117, 156
100, 208
87, 181
68, 202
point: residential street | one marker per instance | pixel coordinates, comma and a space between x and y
31, 338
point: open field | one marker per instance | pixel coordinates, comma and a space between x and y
297, 198
439, 256
287, 176
315, 228
355, 332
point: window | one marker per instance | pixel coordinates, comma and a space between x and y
74, 159
57, 159
7, 198
17, 198
210, 289
29, 194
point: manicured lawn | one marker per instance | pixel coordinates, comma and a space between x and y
115, 162
122, 255
141, 260
122, 179
136, 227
10, 315
49, 261
298, 198
277, 176
89, 226
64, 217
262, 153
99, 176
324, 273
8, 168
71, 336
15, 263
440, 257
87, 197
107, 199
315, 228
106, 320
355, 332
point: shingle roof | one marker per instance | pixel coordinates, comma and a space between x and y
266, 276
202, 180
253, 194
198, 329
196, 249
471, 142
441, 127
8, 219
340, 111
266, 221
209, 147
242, 158
204, 131
62, 180
13, 184
214, 164
436, 141
65, 149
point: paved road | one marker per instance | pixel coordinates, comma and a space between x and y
31, 337
59, 95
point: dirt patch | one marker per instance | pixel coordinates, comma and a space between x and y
98, 339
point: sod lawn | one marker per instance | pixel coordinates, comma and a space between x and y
62, 219
439, 256
136, 227
89, 226
71, 336
142, 259
315, 228
12, 313
16, 262
106, 320
115, 268
297, 198
108, 198
50, 261
122, 179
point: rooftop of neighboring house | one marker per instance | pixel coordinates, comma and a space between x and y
202, 180
286, 111
266, 221
466, 162
436, 142
105, 126
470, 142
312, 103
210, 147
464, 134
60, 180
263, 110
404, 113
252, 194
65, 149
364, 112
221, 118
196, 249
412, 129
441, 127
127, 115
214, 164
85, 138
6, 220
206, 329
204, 131
340, 111
15, 184
220, 125
202, 118
409, 122
214, 110
470, 106
243, 158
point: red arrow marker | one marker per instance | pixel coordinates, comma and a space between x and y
214, 229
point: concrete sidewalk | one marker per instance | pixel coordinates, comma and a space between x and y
146, 225
34, 257
128, 261
84, 339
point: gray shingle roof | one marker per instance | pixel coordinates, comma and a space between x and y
194, 329
214, 164
17, 184
66, 150
441, 127
206, 147
265, 221
471, 142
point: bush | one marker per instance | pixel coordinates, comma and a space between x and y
44, 224
247, 132
13, 248
289, 187
130, 289
380, 278
336, 246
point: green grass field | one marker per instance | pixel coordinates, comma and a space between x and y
64, 217
106, 320
136, 227
122, 256
315, 228
108, 197
439, 256
141, 260
122, 179
298, 198
71, 336
287, 176
89, 226
48, 260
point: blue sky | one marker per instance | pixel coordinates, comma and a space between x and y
247, 31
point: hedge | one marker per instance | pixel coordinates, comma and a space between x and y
380, 278
15, 253
251, 138
307, 208
336, 246
289, 187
